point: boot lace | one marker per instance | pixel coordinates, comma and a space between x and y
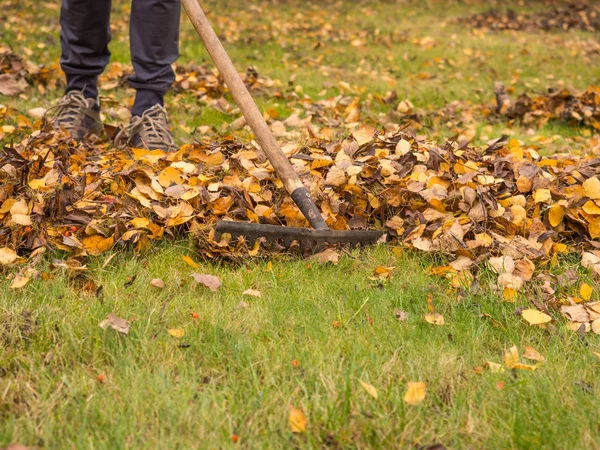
152, 127
67, 111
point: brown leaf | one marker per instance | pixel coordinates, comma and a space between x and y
116, 323
157, 283
210, 281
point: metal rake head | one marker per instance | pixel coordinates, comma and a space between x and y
308, 239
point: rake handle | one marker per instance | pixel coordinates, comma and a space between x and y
253, 116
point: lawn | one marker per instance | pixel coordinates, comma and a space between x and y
203, 369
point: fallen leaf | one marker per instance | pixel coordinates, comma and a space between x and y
586, 291
591, 187
415, 393
535, 317
402, 316
370, 389
116, 323
210, 281
7, 256
297, 420
495, 367
511, 357
177, 332
576, 313
533, 354
96, 244
19, 281
434, 318
190, 262
157, 283
252, 293
329, 255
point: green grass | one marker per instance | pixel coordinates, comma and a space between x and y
232, 372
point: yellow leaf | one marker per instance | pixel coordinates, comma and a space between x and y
177, 332
190, 262
509, 295
591, 208
542, 196
594, 227
511, 357
370, 389
415, 393
535, 317
169, 176
96, 244
524, 366
586, 291
495, 367
591, 187
19, 281
37, 183
139, 222
515, 148
7, 256
435, 318
556, 215
297, 420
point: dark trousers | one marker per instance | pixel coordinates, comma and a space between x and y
154, 43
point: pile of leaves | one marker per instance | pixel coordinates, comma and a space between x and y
579, 15
505, 205
560, 104
17, 73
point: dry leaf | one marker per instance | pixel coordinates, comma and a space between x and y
297, 420
252, 293
370, 389
586, 291
434, 318
116, 323
402, 316
533, 354
96, 244
495, 367
7, 256
329, 255
415, 393
177, 332
190, 262
157, 283
535, 317
210, 281
511, 357
19, 281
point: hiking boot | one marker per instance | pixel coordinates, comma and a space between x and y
76, 114
150, 131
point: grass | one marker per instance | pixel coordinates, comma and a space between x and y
232, 372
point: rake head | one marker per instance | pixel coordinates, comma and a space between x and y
308, 239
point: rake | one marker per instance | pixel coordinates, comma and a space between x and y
309, 239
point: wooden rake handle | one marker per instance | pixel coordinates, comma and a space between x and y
252, 114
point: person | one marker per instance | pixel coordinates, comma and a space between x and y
154, 44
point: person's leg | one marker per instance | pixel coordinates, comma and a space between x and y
84, 38
154, 41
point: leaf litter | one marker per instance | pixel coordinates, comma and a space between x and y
470, 203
